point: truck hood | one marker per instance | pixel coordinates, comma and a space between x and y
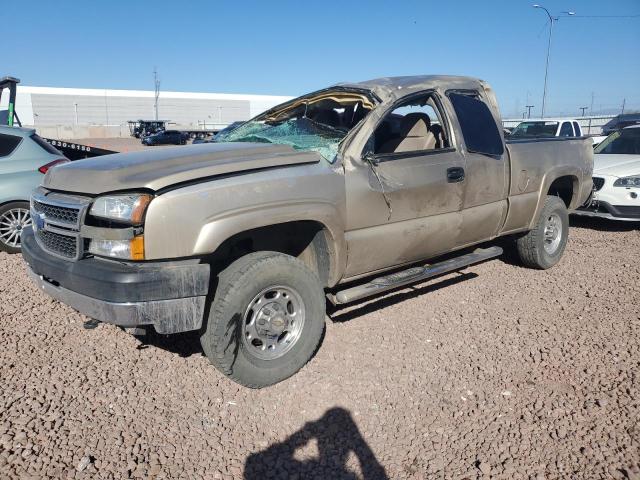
616, 165
157, 168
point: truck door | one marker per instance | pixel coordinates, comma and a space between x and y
404, 195
484, 205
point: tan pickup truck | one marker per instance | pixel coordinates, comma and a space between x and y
337, 194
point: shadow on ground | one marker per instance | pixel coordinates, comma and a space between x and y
183, 344
337, 437
603, 225
344, 313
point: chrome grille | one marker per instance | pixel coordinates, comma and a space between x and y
56, 221
598, 183
56, 213
63, 245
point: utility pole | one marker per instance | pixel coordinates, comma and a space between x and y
591, 107
583, 109
529, 107
156, 84
624, 100
546, 68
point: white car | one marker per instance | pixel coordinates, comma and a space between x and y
616, 177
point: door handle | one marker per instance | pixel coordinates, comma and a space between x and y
455, 174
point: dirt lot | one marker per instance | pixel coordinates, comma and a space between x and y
497, 371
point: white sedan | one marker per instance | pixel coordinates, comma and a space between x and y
616, 177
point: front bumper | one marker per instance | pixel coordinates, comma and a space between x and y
171, 295
613, 203
612, 212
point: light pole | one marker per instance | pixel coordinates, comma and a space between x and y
156, 85
583, 109
529, 107
75, 108
546, 69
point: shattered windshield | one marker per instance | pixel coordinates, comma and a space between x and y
300, 133
318, 122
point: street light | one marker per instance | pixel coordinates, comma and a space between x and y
529, 107
546, 69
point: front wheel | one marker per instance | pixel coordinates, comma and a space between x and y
543, 246
266, 319
14, 217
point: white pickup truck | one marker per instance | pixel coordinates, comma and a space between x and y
547, 127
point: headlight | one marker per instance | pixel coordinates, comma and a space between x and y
632, 181
127, 249
122, 208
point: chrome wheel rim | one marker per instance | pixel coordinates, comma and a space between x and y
552, 233
12, 222
273, 322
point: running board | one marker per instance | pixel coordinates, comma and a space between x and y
414, 275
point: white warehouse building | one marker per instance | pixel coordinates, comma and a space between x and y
83, 112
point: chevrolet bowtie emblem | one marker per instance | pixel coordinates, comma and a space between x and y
38, 222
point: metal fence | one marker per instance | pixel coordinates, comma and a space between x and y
589, 125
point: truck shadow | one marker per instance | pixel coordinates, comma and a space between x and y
602, 224
188, 343
182, 344
337, 438
344, 313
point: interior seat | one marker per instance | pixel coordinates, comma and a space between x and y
438, 133
414, 135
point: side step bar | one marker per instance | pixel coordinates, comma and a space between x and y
414, 275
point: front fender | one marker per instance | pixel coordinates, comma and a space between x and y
225, 226
195, 219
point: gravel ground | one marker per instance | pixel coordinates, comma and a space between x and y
497, 371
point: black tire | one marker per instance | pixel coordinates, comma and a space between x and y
223, 336
8, 240
531, 247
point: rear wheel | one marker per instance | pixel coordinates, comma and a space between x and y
543, 246
14, 217
266, 319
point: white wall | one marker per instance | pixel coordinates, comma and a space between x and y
47, 107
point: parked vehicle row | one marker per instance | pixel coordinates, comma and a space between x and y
324, 195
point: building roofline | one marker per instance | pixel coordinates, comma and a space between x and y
146, 93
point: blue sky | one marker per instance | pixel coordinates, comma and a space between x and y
291, 47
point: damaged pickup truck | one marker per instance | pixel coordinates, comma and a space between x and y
337, 194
